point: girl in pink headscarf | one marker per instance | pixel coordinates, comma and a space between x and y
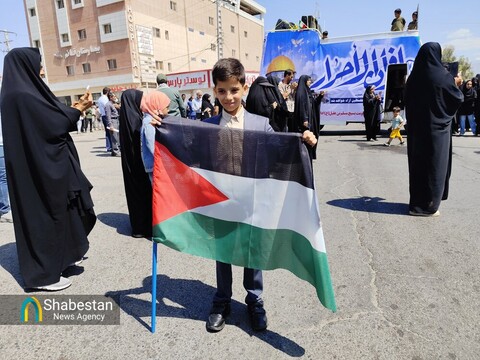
154, 107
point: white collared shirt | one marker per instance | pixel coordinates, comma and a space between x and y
101, 103
233, 121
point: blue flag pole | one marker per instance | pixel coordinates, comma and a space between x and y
154, 286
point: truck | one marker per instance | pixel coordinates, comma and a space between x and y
343, 67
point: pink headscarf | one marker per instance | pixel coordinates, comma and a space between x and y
154, 102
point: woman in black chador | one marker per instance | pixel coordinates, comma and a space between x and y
207, 107
431, 100
261, 100
50, 195
307, 111
278, 119
371, 112
138, 189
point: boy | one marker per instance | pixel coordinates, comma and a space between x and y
397, 124
229, 88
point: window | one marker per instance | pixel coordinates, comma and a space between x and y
159, 65
67, 100
234, 53
173, 5
169, 66
112, 64
204, 61
201, 32
82, 34
246, 56
210, 20
36, 43
245, 33
258, 58
213, 46
32, 12
77, 4
60, 4
156, 32
107, 28
167, 36
190, 29
65, 38
193, 59
232, 28
86, 68
70, 70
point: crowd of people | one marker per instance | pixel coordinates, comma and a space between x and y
468, 116
49, 191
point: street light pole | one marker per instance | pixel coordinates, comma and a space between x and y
7, 40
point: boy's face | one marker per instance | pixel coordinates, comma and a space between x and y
230, 93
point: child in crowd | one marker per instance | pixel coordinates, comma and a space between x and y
154, 106
229, 88
397, 124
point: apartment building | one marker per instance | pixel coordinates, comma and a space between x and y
124, 43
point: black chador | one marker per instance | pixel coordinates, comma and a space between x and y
431, 100
50, 195
138, 188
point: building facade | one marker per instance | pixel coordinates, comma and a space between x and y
124, 43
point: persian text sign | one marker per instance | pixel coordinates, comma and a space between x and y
194, 80
341, 67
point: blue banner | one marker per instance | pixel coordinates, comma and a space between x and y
342, 67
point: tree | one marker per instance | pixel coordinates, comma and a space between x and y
464, 65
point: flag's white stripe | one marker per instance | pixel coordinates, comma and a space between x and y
267, 204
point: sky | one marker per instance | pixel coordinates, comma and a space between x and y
454, 23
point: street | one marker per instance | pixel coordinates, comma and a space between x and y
406, 287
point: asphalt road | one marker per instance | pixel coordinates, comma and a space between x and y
406, 287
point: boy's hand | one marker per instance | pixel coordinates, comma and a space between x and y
309, 138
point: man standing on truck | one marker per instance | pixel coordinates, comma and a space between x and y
398, 23
413, 25
287, 88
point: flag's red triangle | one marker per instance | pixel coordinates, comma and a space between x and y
177, 188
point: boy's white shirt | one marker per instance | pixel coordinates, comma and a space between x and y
233, 121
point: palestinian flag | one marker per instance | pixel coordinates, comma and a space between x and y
241, 197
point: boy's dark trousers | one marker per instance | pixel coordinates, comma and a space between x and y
252, 282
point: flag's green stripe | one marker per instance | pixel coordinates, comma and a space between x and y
229, 242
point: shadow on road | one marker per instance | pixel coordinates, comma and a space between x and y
371, 204
9, 261
190, 299
119, 221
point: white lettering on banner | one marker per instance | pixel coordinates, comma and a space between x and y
189, 81
79, 52
131, 30
196, 80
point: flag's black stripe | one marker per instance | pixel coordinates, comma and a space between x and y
253, 154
